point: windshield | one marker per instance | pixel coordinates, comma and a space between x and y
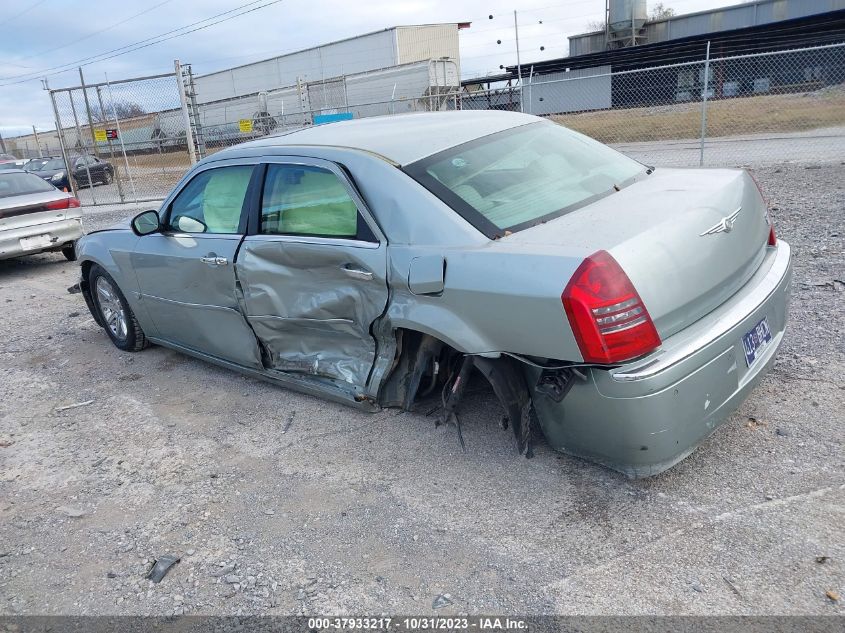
19, 184
8, 166
523, 176
49, 164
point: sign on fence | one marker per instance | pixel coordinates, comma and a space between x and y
319, 119
245, 125
101, 136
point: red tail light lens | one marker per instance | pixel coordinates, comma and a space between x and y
64, 203
773, 239
608, 318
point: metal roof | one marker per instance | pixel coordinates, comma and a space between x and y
819, 29
403, 138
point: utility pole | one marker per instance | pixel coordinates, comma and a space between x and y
2, 144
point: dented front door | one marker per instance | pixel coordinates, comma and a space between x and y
313, 273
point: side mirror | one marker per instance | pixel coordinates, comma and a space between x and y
146, 223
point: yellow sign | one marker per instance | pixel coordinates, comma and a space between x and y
245, 125
100, 136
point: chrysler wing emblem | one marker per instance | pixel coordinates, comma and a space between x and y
725, 225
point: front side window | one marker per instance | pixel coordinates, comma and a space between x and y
306, 200
212, 202
523, 176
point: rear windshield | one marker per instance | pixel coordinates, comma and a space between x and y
511, 180
18, 184
44, 165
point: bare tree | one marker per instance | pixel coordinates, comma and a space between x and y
594, 25
659, 12
123, 109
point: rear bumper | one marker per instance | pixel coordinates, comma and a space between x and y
58, 234
645, 417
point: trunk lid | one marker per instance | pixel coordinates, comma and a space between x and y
687, 238
29, 209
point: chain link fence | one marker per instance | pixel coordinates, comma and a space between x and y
743, 110
132, 140
123, 140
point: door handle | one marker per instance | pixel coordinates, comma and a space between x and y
355, 273
214, 260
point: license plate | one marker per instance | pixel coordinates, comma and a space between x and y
756, 340
36, 241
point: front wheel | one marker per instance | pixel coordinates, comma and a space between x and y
107, 178
114, 311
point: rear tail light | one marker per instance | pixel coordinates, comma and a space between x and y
608, 318
772, 239
64, 203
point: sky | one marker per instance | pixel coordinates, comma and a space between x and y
37, 36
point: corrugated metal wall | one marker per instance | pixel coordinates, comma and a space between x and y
392, 90
557, 93
726, 19
359, 54
428, 41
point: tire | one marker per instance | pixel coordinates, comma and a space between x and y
69, 251
107, 178
120, 323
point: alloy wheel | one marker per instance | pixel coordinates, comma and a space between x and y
111, 308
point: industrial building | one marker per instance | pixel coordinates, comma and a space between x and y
631, 42
398, 69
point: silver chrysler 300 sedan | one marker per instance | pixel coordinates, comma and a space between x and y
36, 217
624, 310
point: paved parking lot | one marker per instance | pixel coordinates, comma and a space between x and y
277, 502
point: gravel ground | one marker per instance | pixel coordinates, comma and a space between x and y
281, 503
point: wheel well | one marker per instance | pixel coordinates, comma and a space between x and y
86, 269
424, 364
84, 285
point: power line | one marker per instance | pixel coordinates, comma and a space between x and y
129, 48
25, 11
90, 35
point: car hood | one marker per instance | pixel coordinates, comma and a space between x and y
122, 225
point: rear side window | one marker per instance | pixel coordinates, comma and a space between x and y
306, 200
20, 184
212, 202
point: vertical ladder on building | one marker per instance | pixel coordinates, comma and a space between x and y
189, 95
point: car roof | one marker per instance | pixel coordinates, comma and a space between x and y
402, 139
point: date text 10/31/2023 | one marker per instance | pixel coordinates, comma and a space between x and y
418, 623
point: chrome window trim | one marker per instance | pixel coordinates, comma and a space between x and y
310, 239
202, 236
726, 322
